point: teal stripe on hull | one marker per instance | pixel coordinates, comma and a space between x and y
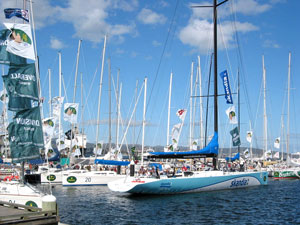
198, 184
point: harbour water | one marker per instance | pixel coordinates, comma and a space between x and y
276, 203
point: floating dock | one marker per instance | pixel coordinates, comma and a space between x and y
11, 213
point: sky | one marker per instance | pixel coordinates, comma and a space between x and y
154, 38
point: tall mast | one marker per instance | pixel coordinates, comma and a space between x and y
201, 104
99, 96
117, 114
265, 110
109, 105
191, 106
169, 109
288, 114
144, 120
59, 93
50, 94
76, 71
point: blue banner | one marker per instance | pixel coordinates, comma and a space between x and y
21, 13
228, 97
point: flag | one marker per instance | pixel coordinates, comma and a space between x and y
49, 126
100, 148
277, 143
3, 96
56, 103
181, 114
268, 154
231, 115
21, 13
60, 144
71, 112
28, 127
195, 145
21, 81
16, 103
235, 137
249, 136
276, 155
26, 135
246, 153
225, 79
175, 135
5, 56
20, 40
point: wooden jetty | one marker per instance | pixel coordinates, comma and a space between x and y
11, 213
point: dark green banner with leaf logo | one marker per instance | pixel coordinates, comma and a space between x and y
26, 135
21, 81
236, 141
5, 56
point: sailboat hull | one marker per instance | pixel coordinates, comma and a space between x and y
201, 181
24, 194
89, 178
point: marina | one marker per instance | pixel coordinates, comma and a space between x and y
160, 137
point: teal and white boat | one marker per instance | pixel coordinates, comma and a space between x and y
192, 181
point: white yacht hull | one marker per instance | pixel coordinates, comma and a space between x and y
89, 178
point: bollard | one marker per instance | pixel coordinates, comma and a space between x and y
49, 203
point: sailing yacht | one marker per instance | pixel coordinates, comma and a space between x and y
287, 172
191, 181
25, 130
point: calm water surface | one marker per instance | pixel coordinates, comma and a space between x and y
276, 203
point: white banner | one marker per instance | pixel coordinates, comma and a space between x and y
71, 112
20, 41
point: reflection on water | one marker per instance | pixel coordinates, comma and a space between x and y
276, 203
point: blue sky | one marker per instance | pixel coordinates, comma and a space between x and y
154, 38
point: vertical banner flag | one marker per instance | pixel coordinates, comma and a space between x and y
268, 154
48, 126
246, 153
249, 136
277, 143
20, 40
56, 103
26, 135
225, 79
175, 135
21, 81
181, 113
5, 56
231, 115
71, 112
235, 137
276, 155
20, 13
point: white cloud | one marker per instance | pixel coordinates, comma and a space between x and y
270, 44
56, 44
199, 34
250, 7
90, 20
147, 16
156, 43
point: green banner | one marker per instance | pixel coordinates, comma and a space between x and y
236, 141
21, 81
26, 134
16, 103
5, 56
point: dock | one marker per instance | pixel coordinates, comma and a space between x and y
11, 213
